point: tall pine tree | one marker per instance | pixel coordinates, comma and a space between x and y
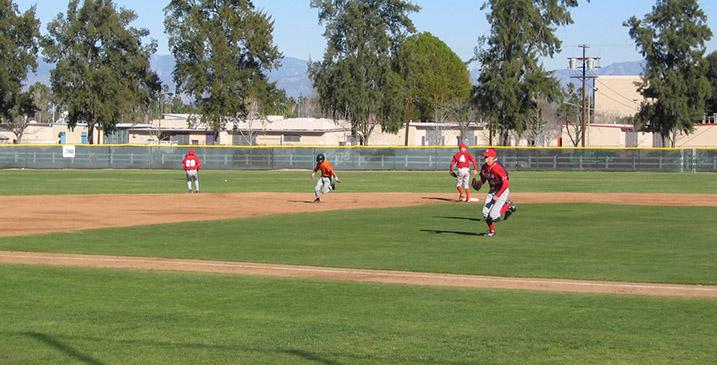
513, 81
711, 104
672, 39
357, 79
19, 33
224, 50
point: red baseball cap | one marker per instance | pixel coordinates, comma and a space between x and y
462, 145
191, 151
490, 153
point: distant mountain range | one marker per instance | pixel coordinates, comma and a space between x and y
564, 75
293, 76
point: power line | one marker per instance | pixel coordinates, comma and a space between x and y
707, 128
616, 92
621, 102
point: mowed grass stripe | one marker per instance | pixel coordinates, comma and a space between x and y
48, 182
577, 241
112, 316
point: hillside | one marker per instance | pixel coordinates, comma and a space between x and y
293, 77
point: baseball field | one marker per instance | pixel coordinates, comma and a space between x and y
106, 267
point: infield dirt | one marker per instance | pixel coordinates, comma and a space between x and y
24, 215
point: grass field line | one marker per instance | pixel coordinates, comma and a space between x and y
360, 275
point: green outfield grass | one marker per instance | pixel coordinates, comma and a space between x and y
29, 182
67, 315
581, 241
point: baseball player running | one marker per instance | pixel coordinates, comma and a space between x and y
191, 166
328, 177
496, 202
463, 160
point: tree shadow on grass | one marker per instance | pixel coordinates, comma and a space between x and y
75, 354
310, 356
64, 348
55, 342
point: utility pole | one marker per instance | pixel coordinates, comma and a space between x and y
586, 63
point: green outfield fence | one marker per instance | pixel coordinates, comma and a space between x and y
353, 158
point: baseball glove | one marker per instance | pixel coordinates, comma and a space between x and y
452, 174
475, 183
334, 181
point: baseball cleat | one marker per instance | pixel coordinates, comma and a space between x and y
490, 234
317, 200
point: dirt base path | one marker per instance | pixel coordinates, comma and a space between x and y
360, 275
23, 215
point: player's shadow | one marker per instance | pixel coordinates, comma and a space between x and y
462, 218
438, 198
462, 233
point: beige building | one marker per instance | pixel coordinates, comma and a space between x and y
55, 133
181, 129
616, 97
279, 131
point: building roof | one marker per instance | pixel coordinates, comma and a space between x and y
322, 125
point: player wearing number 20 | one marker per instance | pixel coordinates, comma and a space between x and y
191, 165
463, 160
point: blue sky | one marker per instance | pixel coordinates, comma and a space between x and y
458, 23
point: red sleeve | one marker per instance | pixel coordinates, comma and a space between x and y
316, 168
199, 163
453, 162
500, 172
184, 163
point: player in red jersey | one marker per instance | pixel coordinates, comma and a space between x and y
463, 160
496, 202
191, 166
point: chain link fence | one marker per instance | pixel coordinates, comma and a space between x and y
354, 158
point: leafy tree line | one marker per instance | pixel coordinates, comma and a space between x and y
19, 33
376, 72
102, 73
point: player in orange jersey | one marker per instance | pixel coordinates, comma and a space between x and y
328, 179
